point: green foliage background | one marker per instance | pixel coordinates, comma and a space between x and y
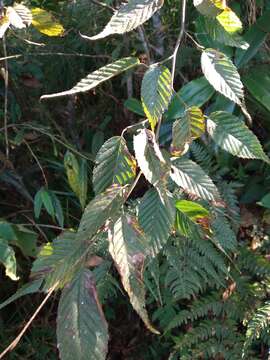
206, 288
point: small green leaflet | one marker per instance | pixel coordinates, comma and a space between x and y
114, 165
156, 217
222, 75
191, 126
149, 157
7, 258
82, 331
129, 16
98, 76
77, 176
190, 177
232, 135
209, 7
128, 248
156, 92
99, 210
191, 209
230, 21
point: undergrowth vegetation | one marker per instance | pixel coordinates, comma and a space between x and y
135, 202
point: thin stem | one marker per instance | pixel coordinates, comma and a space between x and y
145, 43
179, 39
6, 96
18, 338
37, 161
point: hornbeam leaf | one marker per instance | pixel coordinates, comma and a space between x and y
98, 76
191, 126
156, 217
45, 23
114, 165
232, 135
210, 7
190, 176
56, 261
128, 248
82, 331
222, 75
8, 259
149, 157
156, 92
218, 33
77, 176
24, 13
129, 16
230, 21
191, 209
99, 210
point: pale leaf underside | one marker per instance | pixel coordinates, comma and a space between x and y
222, 75
98, 76
129, 16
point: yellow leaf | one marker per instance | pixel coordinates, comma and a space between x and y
230, 21
44, 22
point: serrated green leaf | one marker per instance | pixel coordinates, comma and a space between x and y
156, 217
128, 17
257, 81
26, 289
128, 248
223, 234
114, 165
209, 7
222, 75
98, 76
232, 135
191, 126
77, 176
82, 331
59, 261
135, 106
156, 92
149, 157
192, 209
219, 34
99, 210
8, 259
230, 21
190, 176
45, 23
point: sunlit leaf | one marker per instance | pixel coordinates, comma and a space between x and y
7, 258
190, 176
45, 23
210, 7
114, 165
232, 135
230, 21
77, 176
192, 209
149, 157
128, 248
222, 74
98, 76
130, 15
191, 126
156, 92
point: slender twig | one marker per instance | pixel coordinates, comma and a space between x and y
145, 42
179, 39
6, 96
103, 5
18, 338
134, 185
37, 161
